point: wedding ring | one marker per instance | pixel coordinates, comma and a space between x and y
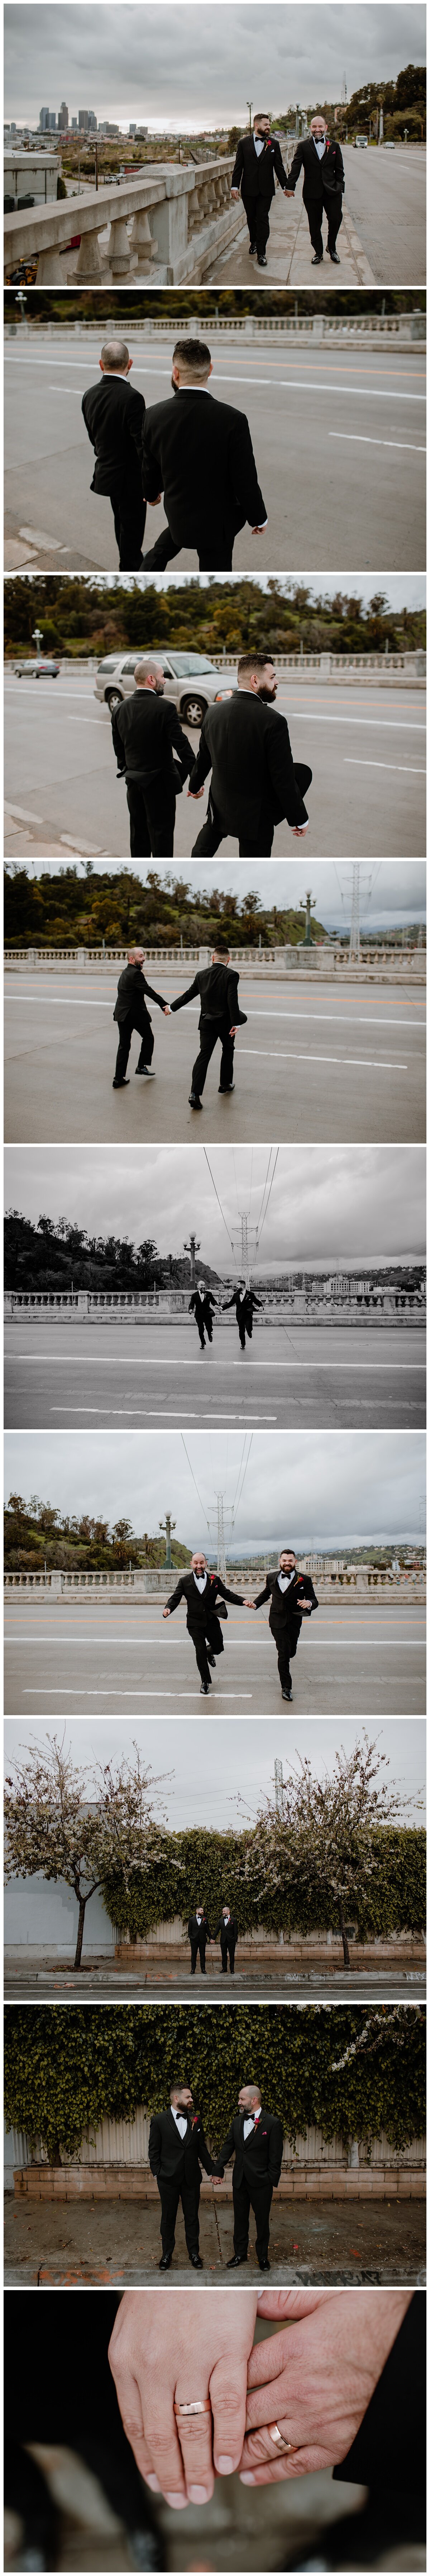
194, 2406
279, 2438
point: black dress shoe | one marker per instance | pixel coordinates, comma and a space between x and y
226, 1086
287, 1694
317, 260
164, 2266
334, 254
262, 261
196, 2261
122, 1086
235, 2261
147, 1069
193, 1100
204, 1689
264, 2267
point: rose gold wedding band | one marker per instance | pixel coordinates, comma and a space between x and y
279, 2438
195, 2406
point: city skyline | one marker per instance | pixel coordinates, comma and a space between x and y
149, 58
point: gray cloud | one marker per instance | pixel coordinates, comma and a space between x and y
190, 64
393, 891
326, 1202
205, 1791
328, 1489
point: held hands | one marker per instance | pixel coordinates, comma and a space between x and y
316, 2380
195, 792
150, 2361
166, 1010
249, 1605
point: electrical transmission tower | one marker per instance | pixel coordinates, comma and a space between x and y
221, 1539
247, 1236
354, 936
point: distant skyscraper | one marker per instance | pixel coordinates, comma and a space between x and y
63, 118
87, 121
44, 120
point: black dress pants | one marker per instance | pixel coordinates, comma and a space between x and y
198, 1950
171, 2193
210, 1031
259, 2199
146, 1034
331, 205
286, 1647
152, 812
202, 1328
207, 1633
257, 846
129, 514
228, 1946
257, 217
214, 554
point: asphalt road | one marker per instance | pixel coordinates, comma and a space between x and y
87, 1374
338, 436
385, 193
310, 1066
60, 1658
21, 1984
365, 746
117, 2239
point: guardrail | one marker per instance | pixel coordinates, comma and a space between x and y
295, 1306
362, 327
375, 965
152, 1582
166, 224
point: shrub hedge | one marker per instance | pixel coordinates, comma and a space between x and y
205, 1864
66, 2069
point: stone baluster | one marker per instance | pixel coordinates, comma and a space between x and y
194, 217
118, 248
88, 269
143, 243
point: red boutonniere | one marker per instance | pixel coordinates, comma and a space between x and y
195, 2121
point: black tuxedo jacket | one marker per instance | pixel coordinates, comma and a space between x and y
243, 1305
171, 2155
390, 2446
317, 174
202, 1305
199, 1931
146, 733
226, 1931
202, 1605
258, 2158
256, 170
131, 995
217, 989
247, 746
114, 415
199, 452
285, 1607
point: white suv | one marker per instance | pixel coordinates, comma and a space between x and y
189, 678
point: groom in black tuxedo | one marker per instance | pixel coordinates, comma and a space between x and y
177, 2151
292, 1598
220, 1017
200, 1590
198, 451
258, 162
199, 1933
256, 2142
114, 414
323, 186
255, 782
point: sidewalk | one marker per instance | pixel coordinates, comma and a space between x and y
289, 254
51, 2243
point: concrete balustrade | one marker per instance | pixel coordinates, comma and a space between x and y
375, 965
185, 212
383, 1307
155, 1582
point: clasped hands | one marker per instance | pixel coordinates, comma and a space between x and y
311, 2383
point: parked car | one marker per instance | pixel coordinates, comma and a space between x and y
389, 146
189, 678
360, 142
40, 670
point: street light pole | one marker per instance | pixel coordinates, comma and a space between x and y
250, 104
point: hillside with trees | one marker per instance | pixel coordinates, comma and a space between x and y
64, 910
81, 615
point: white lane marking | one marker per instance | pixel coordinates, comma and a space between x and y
373, 393
22, 691
397, 768
387, 1064
302, 716
356, 438
102, 1359
339, 1019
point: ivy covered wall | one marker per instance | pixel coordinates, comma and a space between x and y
204, 1864
66, 2069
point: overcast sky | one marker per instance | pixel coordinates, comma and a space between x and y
391, 891
325, 1204
178, 65
312, 1489
206, 1791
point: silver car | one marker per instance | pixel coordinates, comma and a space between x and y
189, 678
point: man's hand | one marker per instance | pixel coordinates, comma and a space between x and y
288, 192
305, 1608
235, 192
152, 505
195, 792
166, 1614
249, 1605
166, 1010
233, 1033
163, 2348
298, 830
316, 2380
259, 531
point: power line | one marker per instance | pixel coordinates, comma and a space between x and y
244, 1472
265, 1187
214, 1186
239, 1475
271, 1186
202, 1508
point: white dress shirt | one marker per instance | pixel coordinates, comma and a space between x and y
251, 2123
319, 146
200, 1580
284, 1580
181, 2122
259, 142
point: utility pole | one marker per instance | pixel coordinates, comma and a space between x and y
279, 1791
192, 1247
310, 901
37, 639
167, 1525
354, 936
221, 1539
250, 104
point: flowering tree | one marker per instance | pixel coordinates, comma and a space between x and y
79, 1826
322, 1843
389, 2023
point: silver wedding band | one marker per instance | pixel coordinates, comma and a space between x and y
194, 2406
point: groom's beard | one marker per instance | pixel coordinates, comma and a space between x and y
269, 694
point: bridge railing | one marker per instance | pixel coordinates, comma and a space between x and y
166, 224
